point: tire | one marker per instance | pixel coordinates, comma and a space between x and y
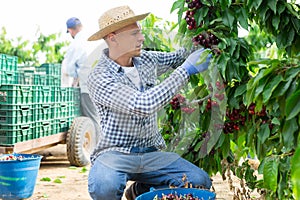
81, 141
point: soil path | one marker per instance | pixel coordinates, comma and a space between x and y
70, 183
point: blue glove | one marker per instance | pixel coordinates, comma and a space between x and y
190, 64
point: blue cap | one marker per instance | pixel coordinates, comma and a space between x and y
72, 22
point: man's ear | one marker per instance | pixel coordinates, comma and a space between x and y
111, 37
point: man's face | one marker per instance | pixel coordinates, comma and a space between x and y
130, 40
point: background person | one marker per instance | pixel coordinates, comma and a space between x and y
76, 68
124, 90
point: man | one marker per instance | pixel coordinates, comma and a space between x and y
76, 68
123, 88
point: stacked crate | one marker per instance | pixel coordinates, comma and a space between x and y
32, 102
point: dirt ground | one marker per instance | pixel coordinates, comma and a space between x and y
66, 182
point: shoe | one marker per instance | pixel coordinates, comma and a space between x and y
130, 193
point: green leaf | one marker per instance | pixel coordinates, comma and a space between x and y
264, 133
203, 56
228, 18
275, 121
45, 179
292, 11
282, 88
201, 14
83, 170
295, 173
254, 3
276, 21
232, 45
222, 62
264, 61
240, 90
263, 10
293, 105
296, 24
270, 173
57, 180
270, 87
280, 7
177, 5
291, 73
285, 38
72, 167
272, 5
260, 86
288, 130
243, 17
225, 4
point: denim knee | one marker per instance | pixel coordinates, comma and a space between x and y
105, 183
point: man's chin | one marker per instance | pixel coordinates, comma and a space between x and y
137, 52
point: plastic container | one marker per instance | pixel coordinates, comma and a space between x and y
201, 194
18, 177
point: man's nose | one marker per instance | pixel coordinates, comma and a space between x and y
141, 37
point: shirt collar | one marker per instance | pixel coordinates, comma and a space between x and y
115, 66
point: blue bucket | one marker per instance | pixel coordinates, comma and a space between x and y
18, 177
201, 194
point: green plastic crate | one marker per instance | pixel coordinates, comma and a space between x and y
50, 69
74, 109
8, 63
54, 80
74, 94
7, 77
56, 92
43, 128
61, 110
15, 94
63, 125
63, 94
43, 112
55, 126
16, 114
40, 79
42, 94
14, 133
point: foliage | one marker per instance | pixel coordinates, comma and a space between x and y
252, 86
46, 49
157, 33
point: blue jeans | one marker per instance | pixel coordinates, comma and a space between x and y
111, 171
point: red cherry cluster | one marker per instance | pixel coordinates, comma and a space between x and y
211, 103
207, 40
189, 17
179, 102
218, 96
176, 101
235, 119
188, 110
262, 115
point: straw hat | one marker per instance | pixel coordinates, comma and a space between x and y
115, 19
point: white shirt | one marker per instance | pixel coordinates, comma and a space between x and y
79, 59
133, 75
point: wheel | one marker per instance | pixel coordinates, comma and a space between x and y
81, 141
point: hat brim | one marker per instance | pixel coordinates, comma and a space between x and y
109, 29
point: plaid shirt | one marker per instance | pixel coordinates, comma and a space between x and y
128, 115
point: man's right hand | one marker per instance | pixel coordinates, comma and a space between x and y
191, 63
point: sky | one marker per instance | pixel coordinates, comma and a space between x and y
24, 17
